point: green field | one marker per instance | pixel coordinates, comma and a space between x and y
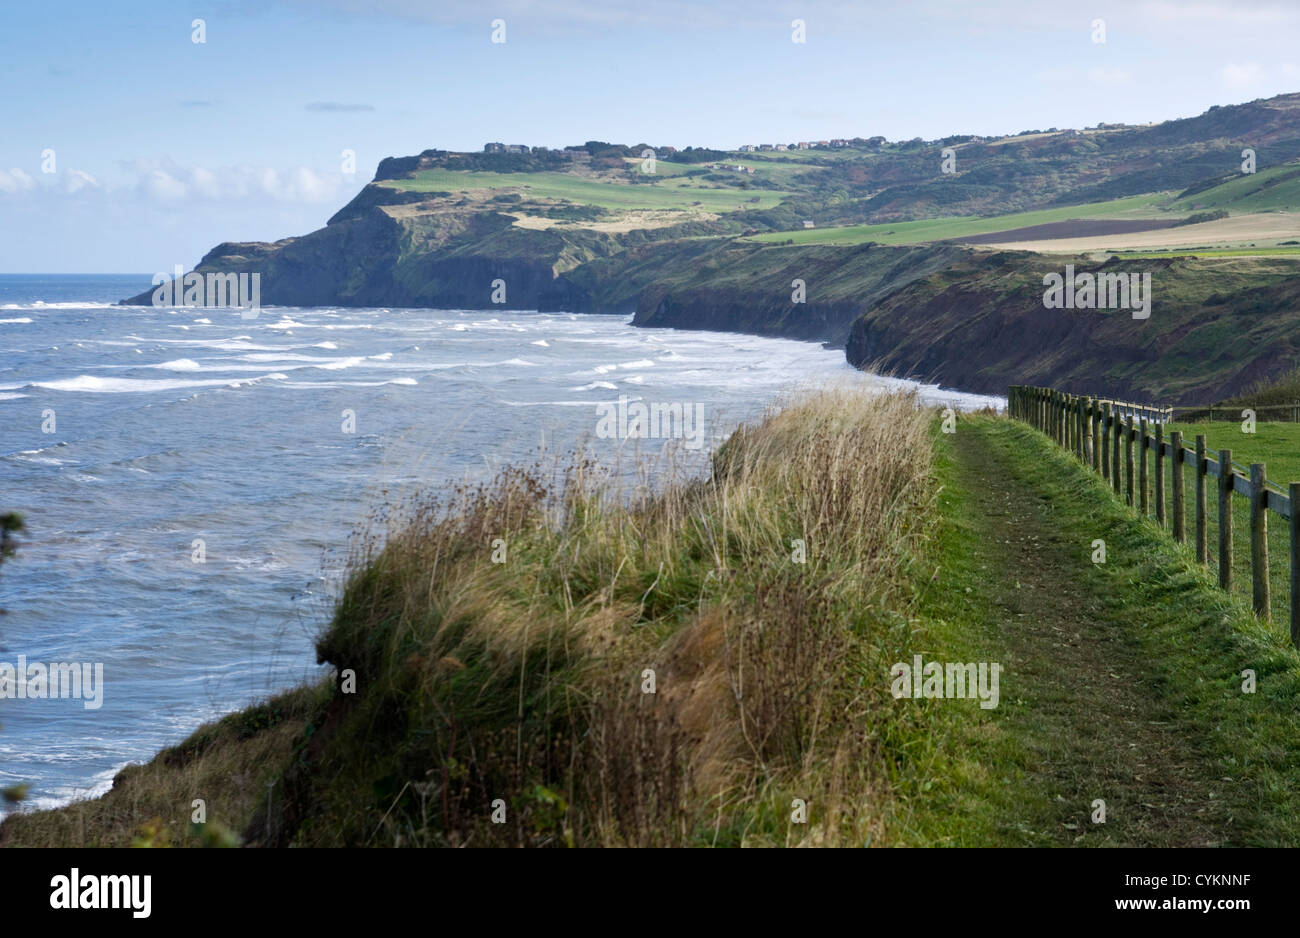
1277, 445
939, 229
675, 192
1274, 189
781, 173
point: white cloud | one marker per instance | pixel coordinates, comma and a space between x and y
168, 182
163, 186
74, 180
15, 180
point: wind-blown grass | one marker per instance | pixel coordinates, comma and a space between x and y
502, 641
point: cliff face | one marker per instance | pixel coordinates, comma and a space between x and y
374, 259
810, 292
1216, 326
965, 319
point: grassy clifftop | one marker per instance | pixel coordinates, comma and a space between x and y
674, 669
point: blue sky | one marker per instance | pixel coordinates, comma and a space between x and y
164, 147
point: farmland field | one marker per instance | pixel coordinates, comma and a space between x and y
1274, 189
940, 229
676, 192
1264, 229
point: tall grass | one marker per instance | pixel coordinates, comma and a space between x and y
524, 685
648, 663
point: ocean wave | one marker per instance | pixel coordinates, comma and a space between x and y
88, 304
590, 404
18, 319
325, 385
97, 385
339, 364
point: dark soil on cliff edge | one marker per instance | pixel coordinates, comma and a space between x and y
1107, 692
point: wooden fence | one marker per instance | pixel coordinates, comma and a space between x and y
1116, 439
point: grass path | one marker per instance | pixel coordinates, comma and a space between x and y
1121, 681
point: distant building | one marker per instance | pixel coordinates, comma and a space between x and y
823, 143
807, 223
494, 147
746, 148
765, 146
782, 146
803, 144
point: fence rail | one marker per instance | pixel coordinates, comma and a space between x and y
1095, 430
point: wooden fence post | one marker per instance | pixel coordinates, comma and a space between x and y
1063, 416
1144, 500
1094, 433
1160, 474
1065, 420
1129, 433
1114, 459
1259, 540
1225, 518
1085, 451
1075, 401
1202, 527
1176, 467
1294, 493
1103, 443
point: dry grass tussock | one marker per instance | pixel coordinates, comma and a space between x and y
505, 642
596, 663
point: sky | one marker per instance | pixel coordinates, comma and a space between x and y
127, 146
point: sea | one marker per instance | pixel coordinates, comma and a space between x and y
194, 481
